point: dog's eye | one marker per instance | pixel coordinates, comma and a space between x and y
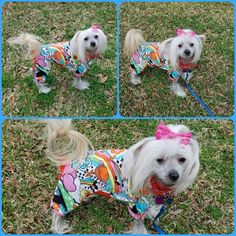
86, 39
160, 160
182, 160
96, 36
191, 44
180, 45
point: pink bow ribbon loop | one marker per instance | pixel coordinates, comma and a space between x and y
182, 32
163, 132
95, 28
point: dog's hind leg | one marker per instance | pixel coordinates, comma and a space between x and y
59, 226
134, 77
40, 74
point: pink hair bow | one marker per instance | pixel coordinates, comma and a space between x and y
182, 32
163, 132
95, 28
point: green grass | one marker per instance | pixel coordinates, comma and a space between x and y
213, 80
29, 180
55, 22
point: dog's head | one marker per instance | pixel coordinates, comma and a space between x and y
91, 42
185, 47
172, 157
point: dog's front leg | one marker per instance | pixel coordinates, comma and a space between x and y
59, 226
187, 75
177, 89
79, 72
138, 228
153, 211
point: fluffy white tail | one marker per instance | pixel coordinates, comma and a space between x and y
133, 40
28, 41
65, 144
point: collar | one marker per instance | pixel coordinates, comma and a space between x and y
157, 188
89, 56
185, 66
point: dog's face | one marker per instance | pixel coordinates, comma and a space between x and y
92, 41
186, 48
172, 163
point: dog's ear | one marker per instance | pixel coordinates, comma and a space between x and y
202, 38
193, 169
102, 43
132, 156
165, 47
77, 48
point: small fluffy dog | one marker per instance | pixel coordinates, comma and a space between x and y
76, 54
176, 55
144, 176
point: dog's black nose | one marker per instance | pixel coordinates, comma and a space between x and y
173, 175
93, 44
187, 52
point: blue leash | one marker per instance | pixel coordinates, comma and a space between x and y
154, 225
209, 111
157, 228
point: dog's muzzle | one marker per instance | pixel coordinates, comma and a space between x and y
173, 175
93, 44
187, 52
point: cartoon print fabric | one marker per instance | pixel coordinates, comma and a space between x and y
58, 53
99, 173
149, 55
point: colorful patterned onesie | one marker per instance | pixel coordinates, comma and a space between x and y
100, 173
58, 53
148, 55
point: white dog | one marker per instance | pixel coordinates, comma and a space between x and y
144, 176
176, 55
76, 54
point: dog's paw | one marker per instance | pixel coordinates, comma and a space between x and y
135, 80
178, 90
138, 228
181, 93
43, 88
59, 226
81, 85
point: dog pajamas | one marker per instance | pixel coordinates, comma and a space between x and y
100, 174
58, 53
148, 55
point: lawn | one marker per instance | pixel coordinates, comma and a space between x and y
213, 80
29, 180
57, 22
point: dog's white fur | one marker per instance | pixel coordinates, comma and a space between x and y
77, 144
139, 164
78, 47
170, 50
